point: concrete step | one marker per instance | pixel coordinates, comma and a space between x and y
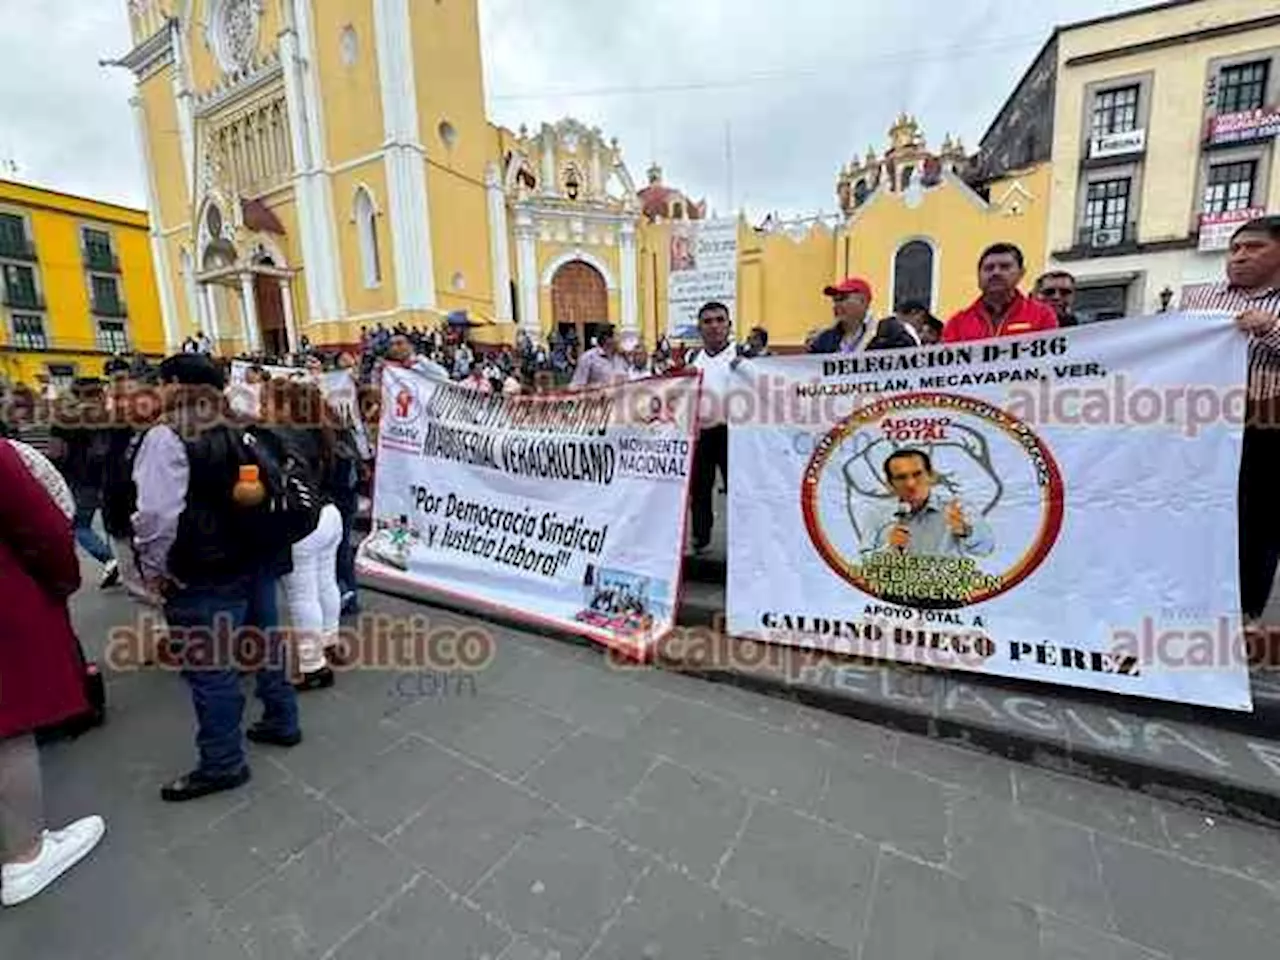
1225, 761
1215, 761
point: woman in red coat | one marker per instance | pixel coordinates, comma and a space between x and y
41, 677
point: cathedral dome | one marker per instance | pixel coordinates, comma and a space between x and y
661, 202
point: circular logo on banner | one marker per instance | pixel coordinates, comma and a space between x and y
405, 405
932, 500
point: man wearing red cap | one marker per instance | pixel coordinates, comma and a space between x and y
854, 331
1002, 310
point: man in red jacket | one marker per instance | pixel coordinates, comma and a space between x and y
1002, 310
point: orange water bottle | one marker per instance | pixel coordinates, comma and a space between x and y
249, 491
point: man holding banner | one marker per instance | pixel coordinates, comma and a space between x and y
1252, 290
854, 330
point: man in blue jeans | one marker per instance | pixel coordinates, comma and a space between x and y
195, 550
79, 445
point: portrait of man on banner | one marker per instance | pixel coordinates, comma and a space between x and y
925, 521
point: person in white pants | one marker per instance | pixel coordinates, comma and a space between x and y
301, 424
314, 600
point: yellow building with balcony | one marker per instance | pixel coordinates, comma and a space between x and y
1161, 126
78, 286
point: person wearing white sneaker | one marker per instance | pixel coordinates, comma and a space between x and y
29, 866
40, 664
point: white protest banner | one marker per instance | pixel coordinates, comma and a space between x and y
1057, 508
246, 398
560, 509
703, 267
339, 388
240, 371
342, 394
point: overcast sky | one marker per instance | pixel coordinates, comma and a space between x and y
790, 89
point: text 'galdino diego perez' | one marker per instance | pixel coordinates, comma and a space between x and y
554, 439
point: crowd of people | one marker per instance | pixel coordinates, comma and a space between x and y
560, 361
208, 515
209, 510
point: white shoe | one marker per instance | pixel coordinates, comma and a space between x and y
110, 574
60, 850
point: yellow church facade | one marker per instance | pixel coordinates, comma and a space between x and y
315, 167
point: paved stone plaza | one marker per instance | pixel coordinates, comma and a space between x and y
564, 809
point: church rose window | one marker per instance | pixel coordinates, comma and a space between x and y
237, 33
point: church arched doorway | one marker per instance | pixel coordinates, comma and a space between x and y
268, 294
579, 302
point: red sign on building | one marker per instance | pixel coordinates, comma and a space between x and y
1216, 228
1246, 125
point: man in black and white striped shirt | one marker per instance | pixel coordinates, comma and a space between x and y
1252, 292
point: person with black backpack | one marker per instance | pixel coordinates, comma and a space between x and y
210, 531
297, 428
130, 417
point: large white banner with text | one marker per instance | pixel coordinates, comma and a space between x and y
703, 266
560, 509
1057, 508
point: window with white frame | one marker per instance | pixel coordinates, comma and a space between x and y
913, 273
1115, 111
13, 237
61, 376
97, 249
1107, 204
1229, 186
366, 217
20, 287
1243, 86
29, 332
112, 336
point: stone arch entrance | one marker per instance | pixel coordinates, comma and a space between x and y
247, 302
221, 308
579, 301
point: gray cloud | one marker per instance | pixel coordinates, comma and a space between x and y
802, 85
66, 121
